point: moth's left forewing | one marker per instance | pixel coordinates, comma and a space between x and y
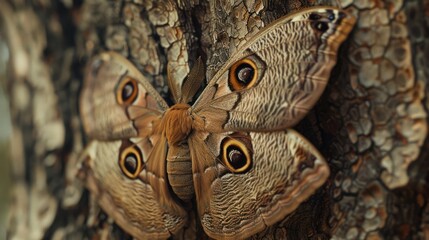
284, 170
104, 114
290, 62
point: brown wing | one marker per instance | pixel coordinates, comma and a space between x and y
276, 77
124, 167
117, 101
115, 172
246, 182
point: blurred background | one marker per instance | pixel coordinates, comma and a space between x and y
5, 132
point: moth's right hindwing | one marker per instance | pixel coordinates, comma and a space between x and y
253, 180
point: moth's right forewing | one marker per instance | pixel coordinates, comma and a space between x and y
290, 62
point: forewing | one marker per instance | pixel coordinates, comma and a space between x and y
276, 77
117, 101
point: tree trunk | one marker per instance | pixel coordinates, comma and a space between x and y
370, 124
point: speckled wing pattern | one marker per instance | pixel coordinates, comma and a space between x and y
133, 203
293, 58
286, 170
294, 61
103, 118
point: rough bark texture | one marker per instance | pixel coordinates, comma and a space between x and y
371, 123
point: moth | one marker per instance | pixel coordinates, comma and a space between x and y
231, 154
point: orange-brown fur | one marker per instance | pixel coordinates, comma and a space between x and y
177, 123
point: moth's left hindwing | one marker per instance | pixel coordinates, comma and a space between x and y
111, 171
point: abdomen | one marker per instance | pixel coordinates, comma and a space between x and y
179, 170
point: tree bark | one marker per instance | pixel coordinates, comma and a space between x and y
370, 124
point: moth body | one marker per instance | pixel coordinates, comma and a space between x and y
176, 125
179, 170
